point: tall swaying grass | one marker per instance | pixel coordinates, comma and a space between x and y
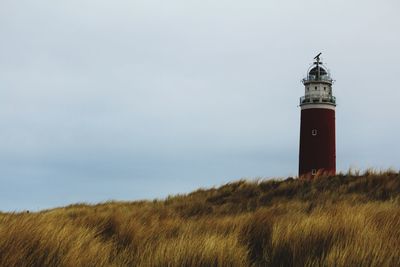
349, 219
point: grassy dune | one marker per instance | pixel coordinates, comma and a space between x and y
344, 220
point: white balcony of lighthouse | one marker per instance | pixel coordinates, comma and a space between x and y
331, 100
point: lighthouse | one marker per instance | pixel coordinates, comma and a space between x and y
317, 122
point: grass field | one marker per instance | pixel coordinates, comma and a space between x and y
344, 220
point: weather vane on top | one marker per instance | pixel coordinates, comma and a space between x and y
318, 57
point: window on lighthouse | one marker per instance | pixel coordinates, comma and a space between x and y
314, 132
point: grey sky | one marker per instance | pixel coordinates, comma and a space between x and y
126, 100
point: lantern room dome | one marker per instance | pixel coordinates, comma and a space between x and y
318, 72
314, 71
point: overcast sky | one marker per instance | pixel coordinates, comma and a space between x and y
136, 99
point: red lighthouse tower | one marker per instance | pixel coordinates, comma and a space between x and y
317, 123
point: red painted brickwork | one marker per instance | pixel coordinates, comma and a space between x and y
317, 151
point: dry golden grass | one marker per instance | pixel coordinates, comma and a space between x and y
344, 220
